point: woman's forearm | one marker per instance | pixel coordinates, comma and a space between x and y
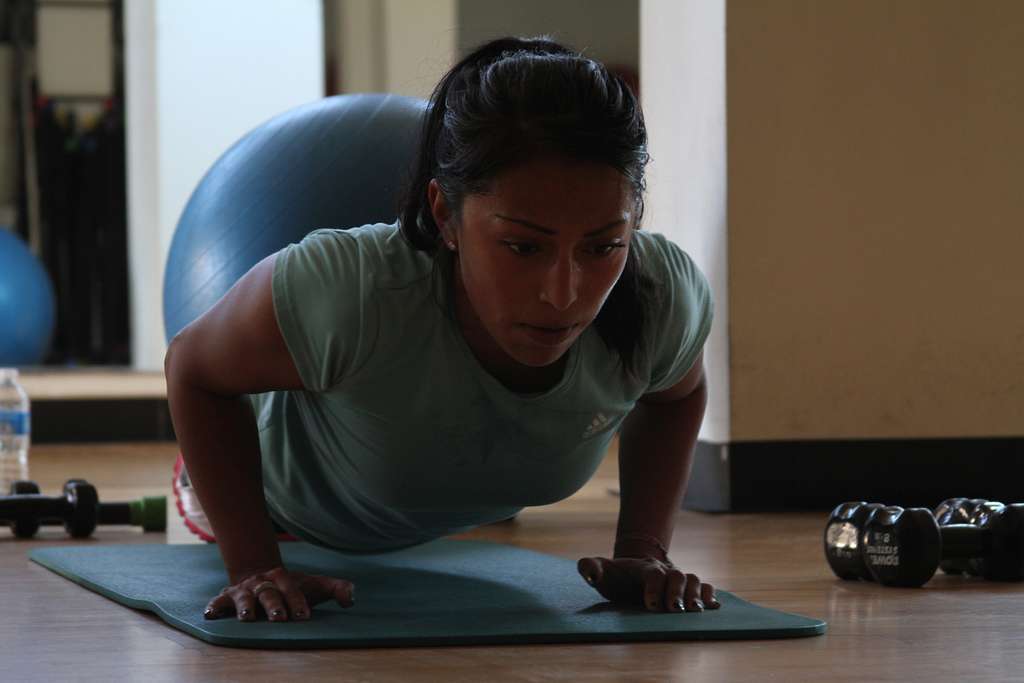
220, 445
655, 454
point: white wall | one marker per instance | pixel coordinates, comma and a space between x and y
682, 66
199, 75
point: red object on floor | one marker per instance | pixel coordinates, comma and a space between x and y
179, 465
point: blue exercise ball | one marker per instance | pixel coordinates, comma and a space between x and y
340, 162
27, 304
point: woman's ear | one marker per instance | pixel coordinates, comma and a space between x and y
442, 214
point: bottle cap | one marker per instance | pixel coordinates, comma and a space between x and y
8, 374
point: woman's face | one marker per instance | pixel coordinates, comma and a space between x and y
536, 257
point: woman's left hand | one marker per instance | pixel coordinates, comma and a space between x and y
660, 586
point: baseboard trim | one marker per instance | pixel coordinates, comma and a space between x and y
110, 420
818, 475
749, 476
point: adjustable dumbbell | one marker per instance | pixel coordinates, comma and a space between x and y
843, 538
903, 547
959, 511
78, 509
843, 535
989, 515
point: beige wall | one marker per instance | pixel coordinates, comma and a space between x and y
395, 46
406, 46
876, 218
607, 30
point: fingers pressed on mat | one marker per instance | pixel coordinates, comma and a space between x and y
344, 592
273, 604
675, 584
319, 589
590, 569
691, 596
615, 580
220, 606
654, 588
707, 594
298, 609
245, 604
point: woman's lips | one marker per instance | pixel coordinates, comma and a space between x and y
549, 336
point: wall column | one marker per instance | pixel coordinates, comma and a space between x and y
198, 76
682, 71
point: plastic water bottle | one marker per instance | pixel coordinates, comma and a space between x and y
15, 429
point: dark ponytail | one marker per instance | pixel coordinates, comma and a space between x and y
514, 99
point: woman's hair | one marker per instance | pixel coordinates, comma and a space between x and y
515, 99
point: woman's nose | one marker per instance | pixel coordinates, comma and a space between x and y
561, 284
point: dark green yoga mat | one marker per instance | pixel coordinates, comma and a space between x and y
441, 593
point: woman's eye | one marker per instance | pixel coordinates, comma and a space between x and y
521, 248
526, 249
606, 249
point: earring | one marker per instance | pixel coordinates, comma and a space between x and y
451, 245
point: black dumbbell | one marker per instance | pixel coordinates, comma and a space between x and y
997, 517
958, 511
843, 537
78, 509
24, 527
21, 486
903, 547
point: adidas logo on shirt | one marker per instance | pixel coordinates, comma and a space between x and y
599, 422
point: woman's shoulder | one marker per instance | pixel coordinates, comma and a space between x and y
685, 309
663, 260
376, 252
370, 237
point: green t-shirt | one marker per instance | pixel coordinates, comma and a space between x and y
400, 436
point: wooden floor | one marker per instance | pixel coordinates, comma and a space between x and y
53, 630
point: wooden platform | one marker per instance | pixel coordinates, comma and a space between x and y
101, 384
952, 629
97, 404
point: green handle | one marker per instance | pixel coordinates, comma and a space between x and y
149, 512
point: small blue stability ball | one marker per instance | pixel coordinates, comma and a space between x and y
27, 304
340, 162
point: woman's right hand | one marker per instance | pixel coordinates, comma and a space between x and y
281, 594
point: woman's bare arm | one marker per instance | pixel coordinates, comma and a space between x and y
235, 348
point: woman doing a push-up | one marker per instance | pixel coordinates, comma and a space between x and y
379, 387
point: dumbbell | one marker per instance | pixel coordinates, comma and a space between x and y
843, 538
78, 509
959, 511
985, 515
903, 547
846, 526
